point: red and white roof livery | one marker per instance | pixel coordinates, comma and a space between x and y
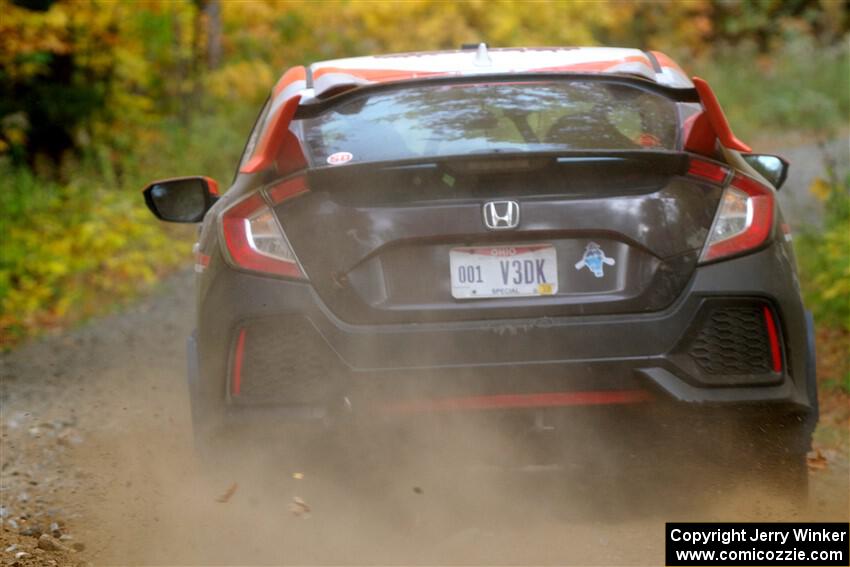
328, 76
276, 141
529, 60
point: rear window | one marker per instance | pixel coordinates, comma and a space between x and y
462, 119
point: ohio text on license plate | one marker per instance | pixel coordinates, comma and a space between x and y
503, 271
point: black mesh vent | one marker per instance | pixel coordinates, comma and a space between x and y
732, 340
285, 362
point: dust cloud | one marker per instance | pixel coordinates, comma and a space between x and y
438, 490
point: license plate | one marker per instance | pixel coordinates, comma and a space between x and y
503, 271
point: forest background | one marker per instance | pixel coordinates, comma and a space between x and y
99, 97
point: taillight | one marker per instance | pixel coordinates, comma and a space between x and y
708, 170
744, 219
253, 236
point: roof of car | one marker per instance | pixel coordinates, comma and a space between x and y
302, 86
330, 76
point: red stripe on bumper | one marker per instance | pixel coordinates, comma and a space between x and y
503, 401
236, 377
773, 336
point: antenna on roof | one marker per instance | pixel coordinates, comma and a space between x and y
482, 58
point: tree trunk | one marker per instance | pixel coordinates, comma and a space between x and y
212, 9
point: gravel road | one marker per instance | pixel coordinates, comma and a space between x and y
97, 466
96, 439
800, 207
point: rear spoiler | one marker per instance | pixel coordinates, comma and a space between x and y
317, 104
711, 125
711, 129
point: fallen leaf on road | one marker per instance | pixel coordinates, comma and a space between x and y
816, 460
298, 475
228, 494
299, 507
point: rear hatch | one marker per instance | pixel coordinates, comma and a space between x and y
404, 183
621, 233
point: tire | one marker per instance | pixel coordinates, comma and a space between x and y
749, 460
781, 461
788, 478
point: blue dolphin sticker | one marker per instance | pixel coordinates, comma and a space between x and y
594, 259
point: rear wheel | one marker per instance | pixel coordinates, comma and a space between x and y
788, 477
769, 464
781, 461
262, 452
230, 449
724, 462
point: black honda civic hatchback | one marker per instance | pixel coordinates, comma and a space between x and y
530, 233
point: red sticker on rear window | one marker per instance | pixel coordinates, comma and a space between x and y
648, 141
340, 158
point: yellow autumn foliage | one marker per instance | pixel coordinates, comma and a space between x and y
131, 90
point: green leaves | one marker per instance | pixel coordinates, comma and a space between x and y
824, 257
100, 97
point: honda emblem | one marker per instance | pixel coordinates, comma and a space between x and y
501, 215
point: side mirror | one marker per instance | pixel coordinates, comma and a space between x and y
772, 168
181, 199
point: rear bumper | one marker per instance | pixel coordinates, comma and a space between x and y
384, 366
